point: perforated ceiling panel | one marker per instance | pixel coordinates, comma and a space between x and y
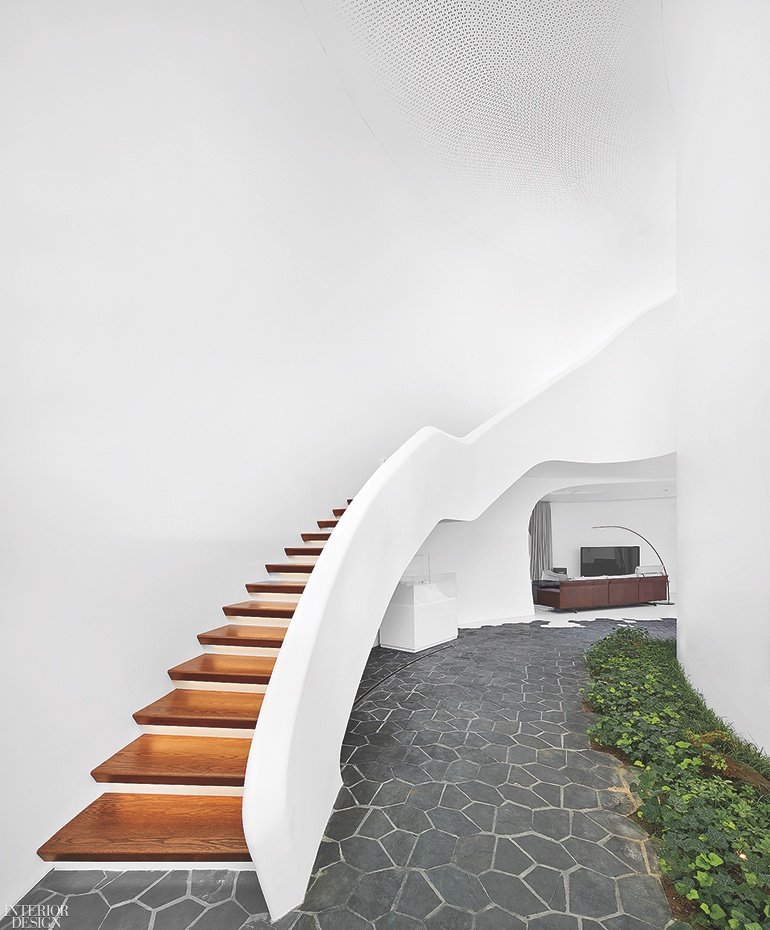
541, 125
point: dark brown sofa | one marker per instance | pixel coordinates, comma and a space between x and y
602, 592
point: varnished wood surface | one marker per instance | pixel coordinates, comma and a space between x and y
216, 667
177, 760
327, 523
185, 707
303, 550
314, 537
338, 512
152, 828
301, 568
260, 609
265, 637
276, 587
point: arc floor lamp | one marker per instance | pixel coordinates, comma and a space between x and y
614, 526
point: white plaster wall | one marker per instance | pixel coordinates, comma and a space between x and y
489, 555
655, 518
717, 54
222, 306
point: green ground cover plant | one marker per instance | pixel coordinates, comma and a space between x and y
704, 793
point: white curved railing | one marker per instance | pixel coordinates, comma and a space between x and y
293, 773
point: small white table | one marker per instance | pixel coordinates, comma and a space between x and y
422, 613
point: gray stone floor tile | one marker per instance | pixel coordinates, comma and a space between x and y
131, 916
642, 896
596, 857
449, 918
418, 898
453, 822
395, 921
86, 911
171, 887
331, 888
592, 894
365, 854
458, 888
375, 893
328, 852
494, 918
399, 846
474, 854
512, 819
433, 847
548, 884
72, 882
227, 915
343, 824
545, 851
554, 922
248, 893
551, 822
212, 885
178, 916
343, 919
510, 893
126, 886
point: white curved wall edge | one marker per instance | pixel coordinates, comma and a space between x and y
293, 772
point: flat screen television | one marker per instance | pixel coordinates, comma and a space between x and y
608, 560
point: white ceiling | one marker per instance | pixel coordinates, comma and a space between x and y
543, 126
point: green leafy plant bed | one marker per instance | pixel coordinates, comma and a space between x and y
704, 793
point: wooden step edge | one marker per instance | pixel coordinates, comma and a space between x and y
324, 524
177, 760
217, 668
282, 568
260, 609
265, 637
181, 707
303, 550
123, 827
312, 537
339, 511
276, 587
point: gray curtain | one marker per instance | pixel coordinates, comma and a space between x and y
540, 541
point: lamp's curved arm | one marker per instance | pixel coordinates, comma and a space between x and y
613, 526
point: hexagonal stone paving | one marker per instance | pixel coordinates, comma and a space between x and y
471, 801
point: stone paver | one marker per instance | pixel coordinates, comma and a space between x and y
471, 800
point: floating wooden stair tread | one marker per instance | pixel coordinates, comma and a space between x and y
152, 828
260, 609
276, 587
217, 667
185, 707
283, 567
177, 760
142, 827
264, 637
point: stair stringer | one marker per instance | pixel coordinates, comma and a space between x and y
293, 772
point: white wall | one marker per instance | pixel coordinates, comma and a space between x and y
489, 555
223, 304
720, 82
655, 518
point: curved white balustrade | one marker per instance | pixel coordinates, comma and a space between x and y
614, 406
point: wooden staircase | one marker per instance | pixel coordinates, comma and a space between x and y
174, 793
